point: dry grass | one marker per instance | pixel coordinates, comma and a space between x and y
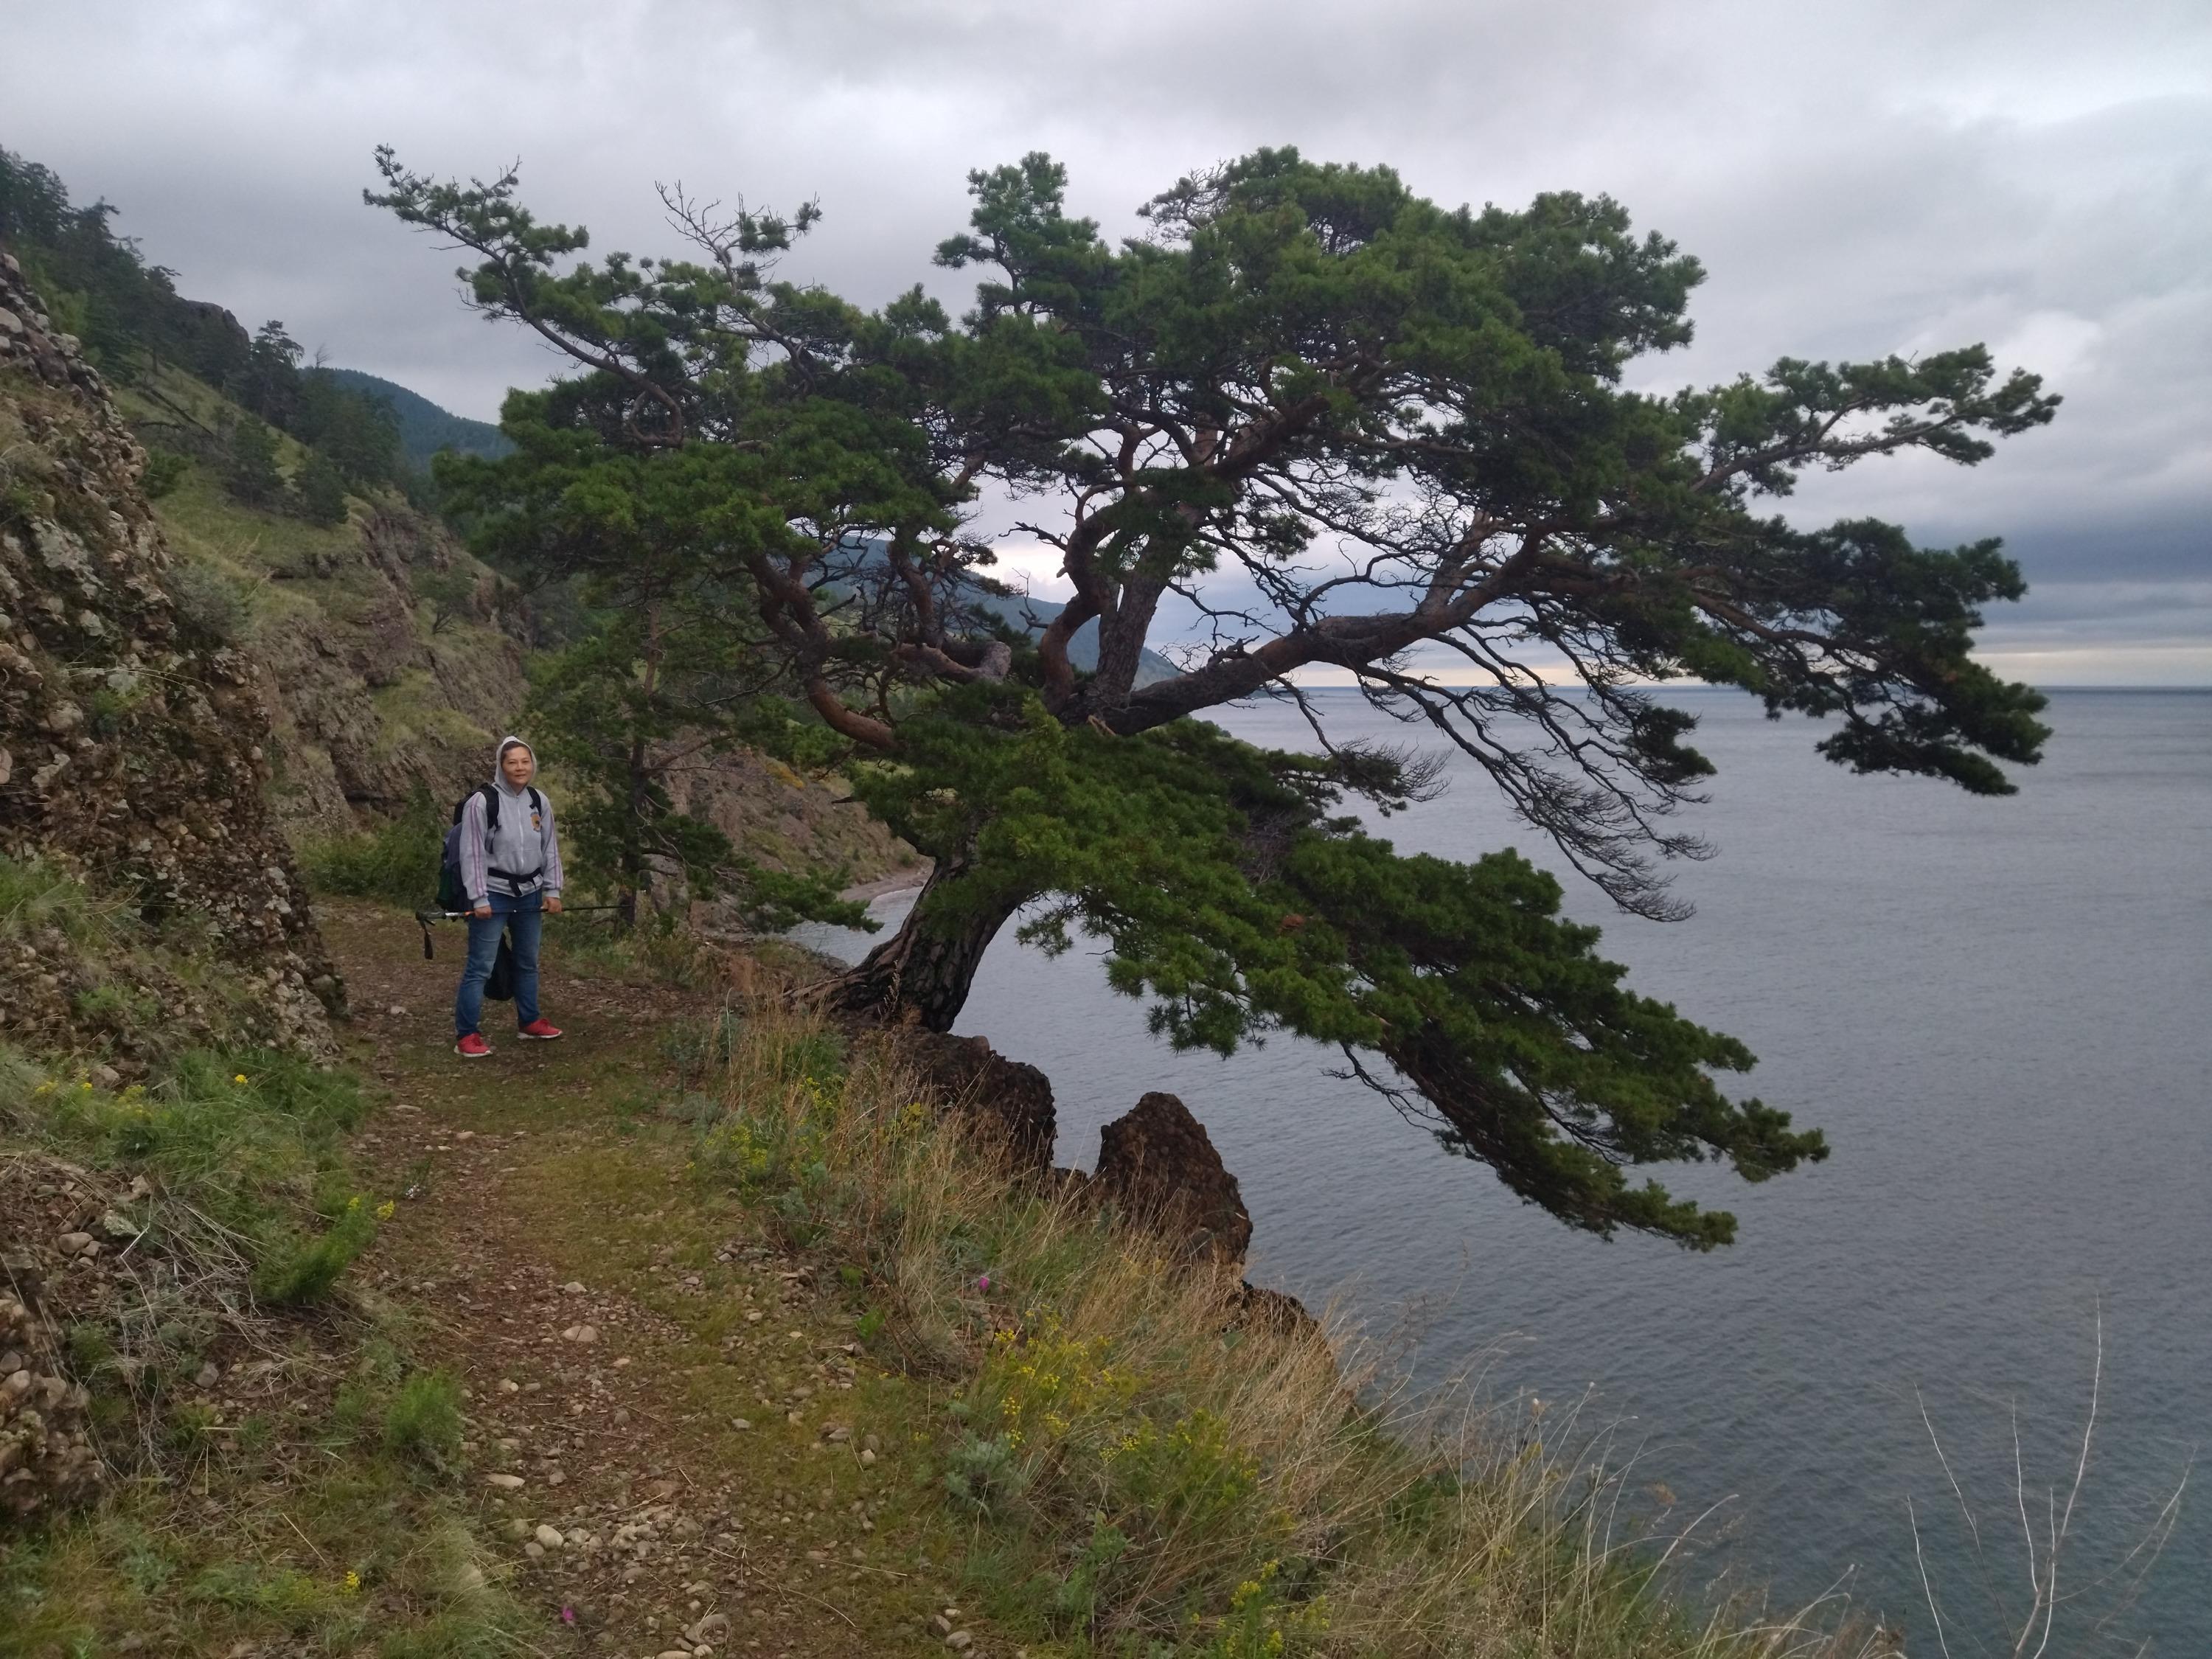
1144, 1468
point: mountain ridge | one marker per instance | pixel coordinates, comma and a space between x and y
426, 427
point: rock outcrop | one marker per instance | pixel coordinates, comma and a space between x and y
391, 659
1011, 1102
48, 1460
376, 691
1156, 1164
133, 750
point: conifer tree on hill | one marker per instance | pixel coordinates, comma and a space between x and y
1350, 428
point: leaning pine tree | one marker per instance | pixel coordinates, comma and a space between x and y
1349, 429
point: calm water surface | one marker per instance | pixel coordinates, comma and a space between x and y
2000, 1012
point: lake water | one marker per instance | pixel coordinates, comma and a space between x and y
2000, 1010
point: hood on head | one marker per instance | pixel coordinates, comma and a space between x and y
499, 756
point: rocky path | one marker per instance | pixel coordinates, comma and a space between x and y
674, 1440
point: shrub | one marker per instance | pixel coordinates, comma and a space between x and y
249, 1145
300, 1272
35, 894
117, 1007
396, 862
165, 471
423, 1421
19, 1078
213, 605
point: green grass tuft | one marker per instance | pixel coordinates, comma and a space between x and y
300, 1272
423, 1422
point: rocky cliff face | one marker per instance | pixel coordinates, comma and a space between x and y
133, 747
370, 702
388, 658
787, 821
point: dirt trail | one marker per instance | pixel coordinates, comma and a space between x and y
674, 1440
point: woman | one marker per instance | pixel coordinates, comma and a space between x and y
510, 861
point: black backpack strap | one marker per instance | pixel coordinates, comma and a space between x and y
537, 800
491, 806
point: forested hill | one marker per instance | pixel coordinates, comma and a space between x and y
425, 428
135, 327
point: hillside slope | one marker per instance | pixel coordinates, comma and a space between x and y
390, 657
133, 748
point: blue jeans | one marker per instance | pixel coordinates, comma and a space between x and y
524, 918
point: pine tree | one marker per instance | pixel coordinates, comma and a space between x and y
1355, 430
250, 470
322, 490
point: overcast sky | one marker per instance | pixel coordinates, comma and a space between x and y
1870, 178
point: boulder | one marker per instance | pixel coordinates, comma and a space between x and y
1278, 1312
1155, 1163
1011, 1102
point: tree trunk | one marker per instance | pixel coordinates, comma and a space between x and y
920, 975
630, 874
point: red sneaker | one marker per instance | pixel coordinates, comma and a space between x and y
540, 1031
472, 1047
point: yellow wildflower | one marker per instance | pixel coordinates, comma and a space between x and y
384, 1211
239, 1077
350, 1584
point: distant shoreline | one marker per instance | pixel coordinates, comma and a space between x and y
897, 882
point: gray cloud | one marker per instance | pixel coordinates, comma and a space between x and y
1885, 176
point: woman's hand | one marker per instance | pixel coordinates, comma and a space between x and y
552, 904
482, 911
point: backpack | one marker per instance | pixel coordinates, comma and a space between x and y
452, 891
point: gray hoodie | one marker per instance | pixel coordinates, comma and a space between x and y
524, 846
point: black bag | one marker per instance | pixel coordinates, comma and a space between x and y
500, 988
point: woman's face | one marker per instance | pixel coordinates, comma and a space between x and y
518, 766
